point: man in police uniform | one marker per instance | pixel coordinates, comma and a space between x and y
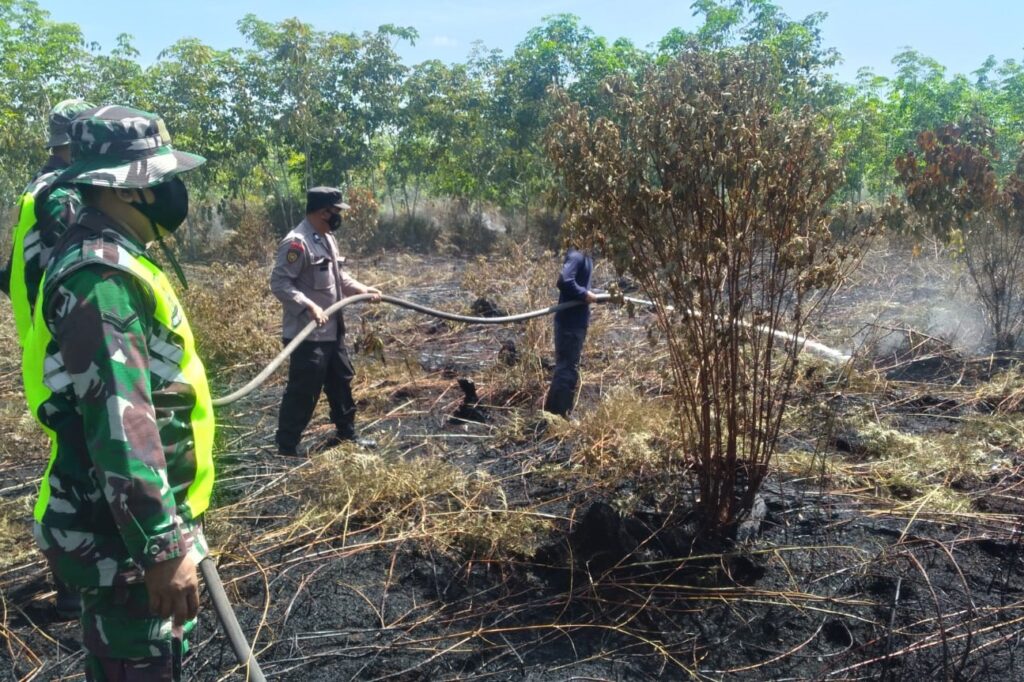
308, 278
111, 372
44, 214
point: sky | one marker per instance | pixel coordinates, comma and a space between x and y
959, 34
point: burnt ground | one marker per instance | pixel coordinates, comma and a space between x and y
518, 549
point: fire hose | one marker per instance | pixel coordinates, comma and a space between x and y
226, 615
808, 344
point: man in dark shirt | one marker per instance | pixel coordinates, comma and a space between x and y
570, 331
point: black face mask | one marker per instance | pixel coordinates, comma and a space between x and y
169, 208
166, 214
334, 222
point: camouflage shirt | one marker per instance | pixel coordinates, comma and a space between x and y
53, 217
120, 411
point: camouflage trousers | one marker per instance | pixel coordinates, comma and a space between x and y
125, 641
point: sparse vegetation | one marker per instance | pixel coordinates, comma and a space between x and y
235, 318
700, 187
439, 503
720, 508
952, 184
462, 530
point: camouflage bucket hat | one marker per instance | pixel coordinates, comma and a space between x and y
60, 120
115, 146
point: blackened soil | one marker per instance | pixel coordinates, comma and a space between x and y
828, 590
832, 585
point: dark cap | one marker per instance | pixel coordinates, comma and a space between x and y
323, 197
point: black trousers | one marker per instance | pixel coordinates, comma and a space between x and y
568, 349
316, 366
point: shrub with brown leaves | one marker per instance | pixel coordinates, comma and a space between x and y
361, 221
712, 195
253, 240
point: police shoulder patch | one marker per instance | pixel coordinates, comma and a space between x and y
295, 250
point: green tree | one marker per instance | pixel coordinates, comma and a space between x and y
560, 53
191, 82
41, 63
795, 45
323, 97
433, 102
117, 76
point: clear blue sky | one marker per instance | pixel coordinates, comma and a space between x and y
960, 34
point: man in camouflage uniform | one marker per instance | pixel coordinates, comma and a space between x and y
54, 209
44, 214
308, 278
111, 373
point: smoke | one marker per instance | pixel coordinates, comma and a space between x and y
899, 300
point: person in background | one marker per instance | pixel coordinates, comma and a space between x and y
44, 214
570, 331
308, 278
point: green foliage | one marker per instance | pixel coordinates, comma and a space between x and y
794, 45
39, 66
298, 106
879, 119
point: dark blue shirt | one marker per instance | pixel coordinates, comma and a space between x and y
573, 285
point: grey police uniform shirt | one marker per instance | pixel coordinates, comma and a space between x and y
307, 268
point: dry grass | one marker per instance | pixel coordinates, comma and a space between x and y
446, 506
252, 241
456, 491
235, 318
23, 452
891, 457
16, 543
625, 435
525, 281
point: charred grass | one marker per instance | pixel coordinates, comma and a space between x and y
520, 547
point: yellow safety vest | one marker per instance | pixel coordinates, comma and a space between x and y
19, 292
170, 314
